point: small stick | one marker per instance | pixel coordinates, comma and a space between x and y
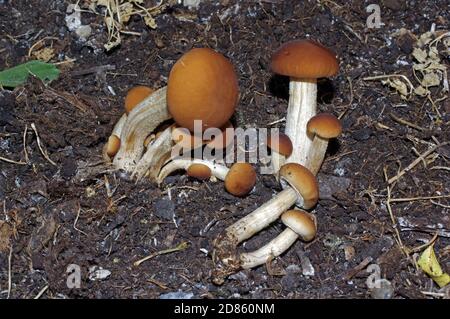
39, 295
25, 144
181, 246
76, 221
9, 272
393, 200
12, 161
43, 152
405, 122
363, 264
415, 162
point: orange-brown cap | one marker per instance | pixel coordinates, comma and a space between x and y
113, 145
136, 95
240, 179
303, 181
280, 143
325, 125
199, 171
202, 86
301, 222
224, 139
183, 137
304, 59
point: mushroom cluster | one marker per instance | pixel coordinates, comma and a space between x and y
201, 96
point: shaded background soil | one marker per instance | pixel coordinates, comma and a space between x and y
51, 217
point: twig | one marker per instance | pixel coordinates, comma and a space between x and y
39, 295
76, 221
421, 247
363, 264
25, 144
410, 199
405, 122
347, 107
181, 246
9, 272
44, 153
12, 161
415, 162
387, 76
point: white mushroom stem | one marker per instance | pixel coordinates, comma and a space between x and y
217, 170
155, 156
316, 154
142, 120
263, 216
302, 107
273, 249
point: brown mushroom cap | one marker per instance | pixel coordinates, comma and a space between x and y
280, 143
300, 222
304, 59
199, 171
136, 95
113, 145
324, 125
202, 86
303, 181
240, 179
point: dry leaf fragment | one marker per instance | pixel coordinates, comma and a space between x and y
430, 265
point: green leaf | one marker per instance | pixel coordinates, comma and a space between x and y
17, 75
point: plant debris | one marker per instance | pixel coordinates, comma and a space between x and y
430, 265
17, 75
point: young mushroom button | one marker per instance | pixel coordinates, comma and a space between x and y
240, 179
202, 86
301, 222
304, 61
324, 126
281, 147
135, 96
199, 171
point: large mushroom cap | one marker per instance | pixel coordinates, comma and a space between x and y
202, 86
300, 222
303, 181
325, 125
304, 59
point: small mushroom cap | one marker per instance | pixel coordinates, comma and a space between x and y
199, 171
304, 59
135, 96
202, 86
325, 125
113, 145
280, 143
240, 179
300, 222
303, 181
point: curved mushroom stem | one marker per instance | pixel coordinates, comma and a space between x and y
225, 256
302, 107
156, 155
316, 154
272, 249
217, 170
117, 131
142, 120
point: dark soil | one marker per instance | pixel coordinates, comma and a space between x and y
74, 115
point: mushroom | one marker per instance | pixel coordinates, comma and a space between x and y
281, 147
241, 179
142, 120
304, 61
113, 145
202, 86
199, 171
324, 127
135, 96
299, 224
302, 188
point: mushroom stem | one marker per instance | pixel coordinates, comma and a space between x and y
302, 107
142, 120
217, 170
316, 154
263, 216
272, 249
